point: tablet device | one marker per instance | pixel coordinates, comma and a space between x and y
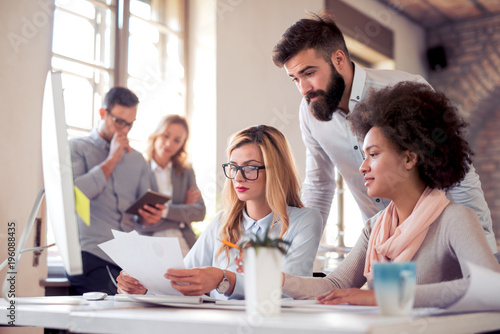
150, 198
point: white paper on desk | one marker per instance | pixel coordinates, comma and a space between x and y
146, 258
483, 292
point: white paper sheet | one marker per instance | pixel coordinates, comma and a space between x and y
146, 258
483, 293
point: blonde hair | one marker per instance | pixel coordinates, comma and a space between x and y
179, 160
282, 183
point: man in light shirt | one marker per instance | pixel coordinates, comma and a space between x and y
113, 176
315, 57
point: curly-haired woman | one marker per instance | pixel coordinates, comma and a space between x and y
415, 151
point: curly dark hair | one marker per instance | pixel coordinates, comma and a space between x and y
414, 117
319, 33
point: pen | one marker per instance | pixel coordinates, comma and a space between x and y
230, 244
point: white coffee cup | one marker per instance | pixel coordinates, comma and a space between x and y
394, 284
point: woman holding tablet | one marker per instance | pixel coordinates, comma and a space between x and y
173, 176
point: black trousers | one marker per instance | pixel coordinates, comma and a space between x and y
95, 276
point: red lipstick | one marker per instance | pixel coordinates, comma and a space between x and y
241, 189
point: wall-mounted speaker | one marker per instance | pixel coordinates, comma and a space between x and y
437, 58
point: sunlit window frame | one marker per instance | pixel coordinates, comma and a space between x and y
118, 69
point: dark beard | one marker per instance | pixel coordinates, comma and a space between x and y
323, 108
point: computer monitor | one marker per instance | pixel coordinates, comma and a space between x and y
58, 175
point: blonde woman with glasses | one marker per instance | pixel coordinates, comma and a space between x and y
261, 192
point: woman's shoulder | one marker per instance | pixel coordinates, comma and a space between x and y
293, 210
295, 213
455, 213
217, 217
214, 223
457, 209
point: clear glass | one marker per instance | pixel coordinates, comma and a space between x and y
144, 30
77, 101
173, 15
144, 58
80, 7
73, 67
173, 49
353, 220
74, 36
141, 9
106, 51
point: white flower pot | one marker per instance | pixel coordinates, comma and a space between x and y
263, 280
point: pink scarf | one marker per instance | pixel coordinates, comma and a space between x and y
388, 241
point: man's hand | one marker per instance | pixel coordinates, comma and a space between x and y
117, 147
193, 195
351, 296
198, 281
119, 144
130, 285
151, 214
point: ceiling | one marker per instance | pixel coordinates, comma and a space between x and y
434, 13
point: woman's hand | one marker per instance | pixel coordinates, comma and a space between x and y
239, 262
151, 214
130, 285
193, 195
197, 281
351, 296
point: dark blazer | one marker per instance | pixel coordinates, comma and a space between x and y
179, 215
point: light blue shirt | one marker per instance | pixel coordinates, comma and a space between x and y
304, 233
108, 198
331, 145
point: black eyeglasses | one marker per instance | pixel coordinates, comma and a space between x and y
119, 122
250, 173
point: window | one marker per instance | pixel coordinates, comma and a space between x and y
83, 52
98, 44
155, 66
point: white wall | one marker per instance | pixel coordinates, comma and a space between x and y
201, 87
24, 65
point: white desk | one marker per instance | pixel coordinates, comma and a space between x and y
109, 316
